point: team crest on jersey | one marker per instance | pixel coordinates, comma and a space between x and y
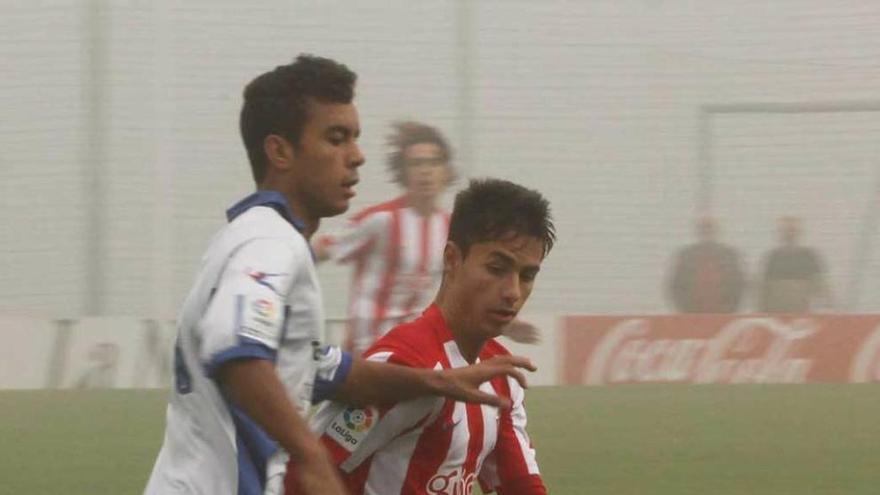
350, 426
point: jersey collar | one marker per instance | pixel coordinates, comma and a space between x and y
272, 199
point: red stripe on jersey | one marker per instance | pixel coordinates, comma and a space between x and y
392, 261
509, 455
394, 204
356, 480
337, 452
430, 451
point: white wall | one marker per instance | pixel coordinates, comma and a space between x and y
594, 103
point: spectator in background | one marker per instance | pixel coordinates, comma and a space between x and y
396, 247
706, 276
794, 275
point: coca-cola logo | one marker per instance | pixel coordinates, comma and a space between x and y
747, 350
866, 364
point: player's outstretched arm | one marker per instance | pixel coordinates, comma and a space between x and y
254, 386
382, 383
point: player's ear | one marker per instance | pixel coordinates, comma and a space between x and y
452, 257
279, 152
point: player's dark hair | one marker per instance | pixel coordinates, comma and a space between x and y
406, 134
277, 102
494, 209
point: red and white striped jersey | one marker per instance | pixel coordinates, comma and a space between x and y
431, 446
398, 258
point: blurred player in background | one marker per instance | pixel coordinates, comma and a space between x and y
499, 235
248, 362
396, 247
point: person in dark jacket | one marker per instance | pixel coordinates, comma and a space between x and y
706, 276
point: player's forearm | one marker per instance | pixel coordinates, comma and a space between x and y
254, 386
382, 383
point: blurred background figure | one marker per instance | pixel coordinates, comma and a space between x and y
396, 246
706, 276
794, 275
103, 360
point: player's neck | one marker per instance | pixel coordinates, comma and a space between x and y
296, 206
423, 206
469, 342
301, 213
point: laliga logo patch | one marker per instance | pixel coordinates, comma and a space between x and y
358, 419
264, 308
351, 426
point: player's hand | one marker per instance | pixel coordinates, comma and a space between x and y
321, 247
522, 332
463, 384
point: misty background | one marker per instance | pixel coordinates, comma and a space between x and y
120, 145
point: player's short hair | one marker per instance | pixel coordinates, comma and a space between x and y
407, 133
277, 102
493, 209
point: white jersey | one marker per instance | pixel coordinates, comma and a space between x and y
398, 258
256, 296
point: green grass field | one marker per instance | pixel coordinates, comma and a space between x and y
814, 439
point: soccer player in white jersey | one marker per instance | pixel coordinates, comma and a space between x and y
396, 247
499, 235
248, 363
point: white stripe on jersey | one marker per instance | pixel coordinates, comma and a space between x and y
490, 425
519, 426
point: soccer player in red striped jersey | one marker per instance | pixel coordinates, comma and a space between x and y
396, 246
499, 235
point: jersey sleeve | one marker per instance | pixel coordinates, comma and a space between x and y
511, 468
357, 239
332, 367
353, 434
245, 316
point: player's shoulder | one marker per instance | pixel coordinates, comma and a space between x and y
261, 233
413, 342
378, 210
265, 222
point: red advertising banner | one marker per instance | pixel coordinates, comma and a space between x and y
610, 350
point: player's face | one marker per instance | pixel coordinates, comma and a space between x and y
327, 159
425, 171
492, 283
